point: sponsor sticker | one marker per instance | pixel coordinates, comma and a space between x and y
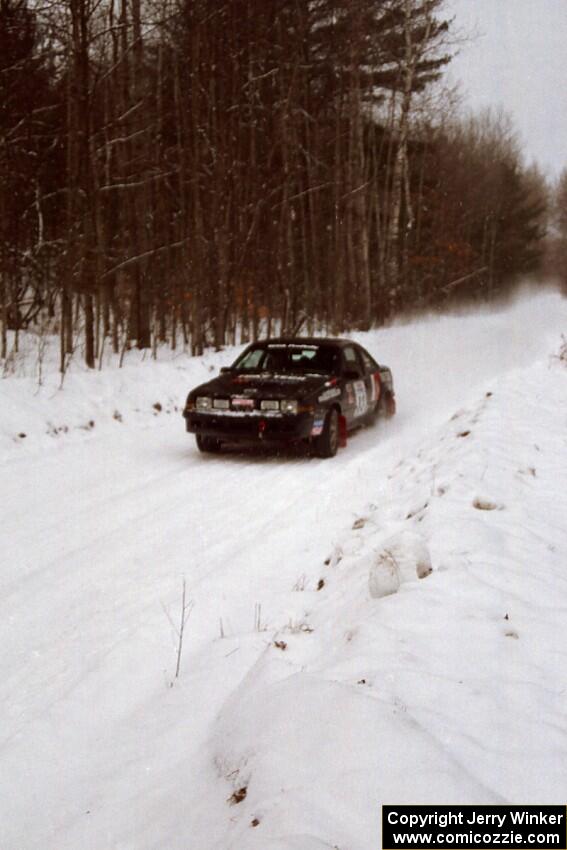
317, 427
241, 402
328, 394
361, 398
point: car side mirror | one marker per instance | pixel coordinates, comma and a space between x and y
225, 369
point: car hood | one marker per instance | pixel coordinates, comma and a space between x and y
263, 385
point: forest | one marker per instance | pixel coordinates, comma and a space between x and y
203, 172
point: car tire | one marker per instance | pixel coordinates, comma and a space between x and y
387, 406
390, 405
208, 444
328, 443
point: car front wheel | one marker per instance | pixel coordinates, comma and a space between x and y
208, 444
328, 443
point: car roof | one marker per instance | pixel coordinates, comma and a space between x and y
305, 340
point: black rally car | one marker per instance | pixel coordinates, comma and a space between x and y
291, 390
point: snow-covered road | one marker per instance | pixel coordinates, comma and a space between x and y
365, 700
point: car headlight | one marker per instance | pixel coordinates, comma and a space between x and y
221, 403
269, 404
203, 403
289, 405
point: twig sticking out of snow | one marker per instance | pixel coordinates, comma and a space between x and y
186, 608
258, 627
300, 583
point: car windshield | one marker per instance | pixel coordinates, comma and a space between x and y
289, 357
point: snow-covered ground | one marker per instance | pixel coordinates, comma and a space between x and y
320, 677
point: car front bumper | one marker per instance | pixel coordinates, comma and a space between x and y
237, 427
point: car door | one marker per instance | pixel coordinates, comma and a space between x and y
356, 400
371, 377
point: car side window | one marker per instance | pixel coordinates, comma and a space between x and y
370, 364
351, 361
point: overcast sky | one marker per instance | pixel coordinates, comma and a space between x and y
518, 60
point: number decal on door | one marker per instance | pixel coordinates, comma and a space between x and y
361, 400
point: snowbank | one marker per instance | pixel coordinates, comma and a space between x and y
450, 690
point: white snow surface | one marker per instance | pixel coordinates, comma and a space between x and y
318, 671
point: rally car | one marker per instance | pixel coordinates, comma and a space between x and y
310, 390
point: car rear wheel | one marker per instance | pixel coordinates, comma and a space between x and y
208, 444
328, 443
387, 405
390, 405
